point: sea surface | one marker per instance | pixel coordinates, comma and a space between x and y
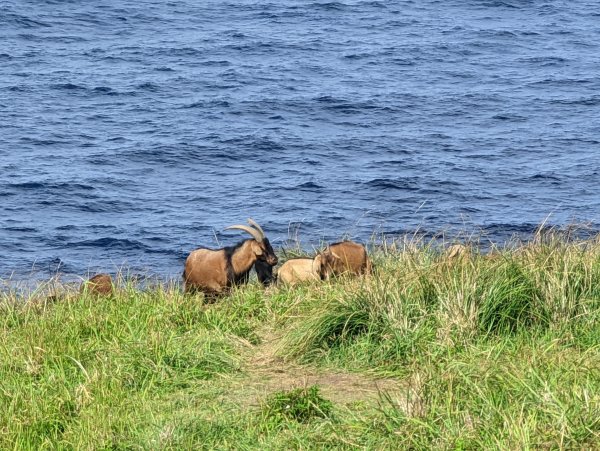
134, 132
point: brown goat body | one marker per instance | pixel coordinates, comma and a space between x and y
213, 271
297, 270
346, 257
98, 285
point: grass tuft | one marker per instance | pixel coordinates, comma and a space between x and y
300, 404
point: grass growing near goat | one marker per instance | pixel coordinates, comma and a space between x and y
481, 351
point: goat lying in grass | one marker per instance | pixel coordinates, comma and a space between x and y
98, 285
346, 257
298, 270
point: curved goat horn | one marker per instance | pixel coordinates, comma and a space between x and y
254, 224
255, 233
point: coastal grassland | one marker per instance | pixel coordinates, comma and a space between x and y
494, 350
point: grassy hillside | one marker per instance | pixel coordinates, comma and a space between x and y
471, 352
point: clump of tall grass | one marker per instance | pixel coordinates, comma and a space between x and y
300, 404
420, 296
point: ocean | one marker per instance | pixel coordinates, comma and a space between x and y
134, 132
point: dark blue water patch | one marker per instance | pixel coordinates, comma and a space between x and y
327, 6
501, 4
105, 90
562, 82
180, 155
45, 39
67, 227
69, 87
20, 229
45, 186
392, 184
180, 52
593, 100
42, 142
216, 63
306, 186
265, 145
18, 21
341, 106
155, 239
526, 231
109, 243
99, 206
546, 61
545, 177
210, 104
466, 209
97, 160
508, 230
52, 265
373, 4
148, 86
510, 117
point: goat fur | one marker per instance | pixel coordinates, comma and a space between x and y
215, 270
98, 285
346, 257
297, 270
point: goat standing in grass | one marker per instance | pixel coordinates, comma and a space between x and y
346, 257
213, 271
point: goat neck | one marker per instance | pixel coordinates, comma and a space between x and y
243, 258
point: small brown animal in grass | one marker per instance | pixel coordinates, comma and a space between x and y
99, 285
346, 257
213, 271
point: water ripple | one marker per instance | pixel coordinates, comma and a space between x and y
134, 132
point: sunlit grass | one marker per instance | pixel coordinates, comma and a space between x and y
487, 350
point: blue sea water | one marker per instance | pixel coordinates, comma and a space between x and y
133, 132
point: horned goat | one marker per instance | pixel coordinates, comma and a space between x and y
213, 271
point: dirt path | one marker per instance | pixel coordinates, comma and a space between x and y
265, 373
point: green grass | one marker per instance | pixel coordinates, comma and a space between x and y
300, 404
481, 351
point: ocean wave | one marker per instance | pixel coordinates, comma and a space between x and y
44, 186
306, 186
20, 21
327, 6
392, 184
109, 243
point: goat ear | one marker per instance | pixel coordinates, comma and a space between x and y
257, 248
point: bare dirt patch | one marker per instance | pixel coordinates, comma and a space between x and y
265, 373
